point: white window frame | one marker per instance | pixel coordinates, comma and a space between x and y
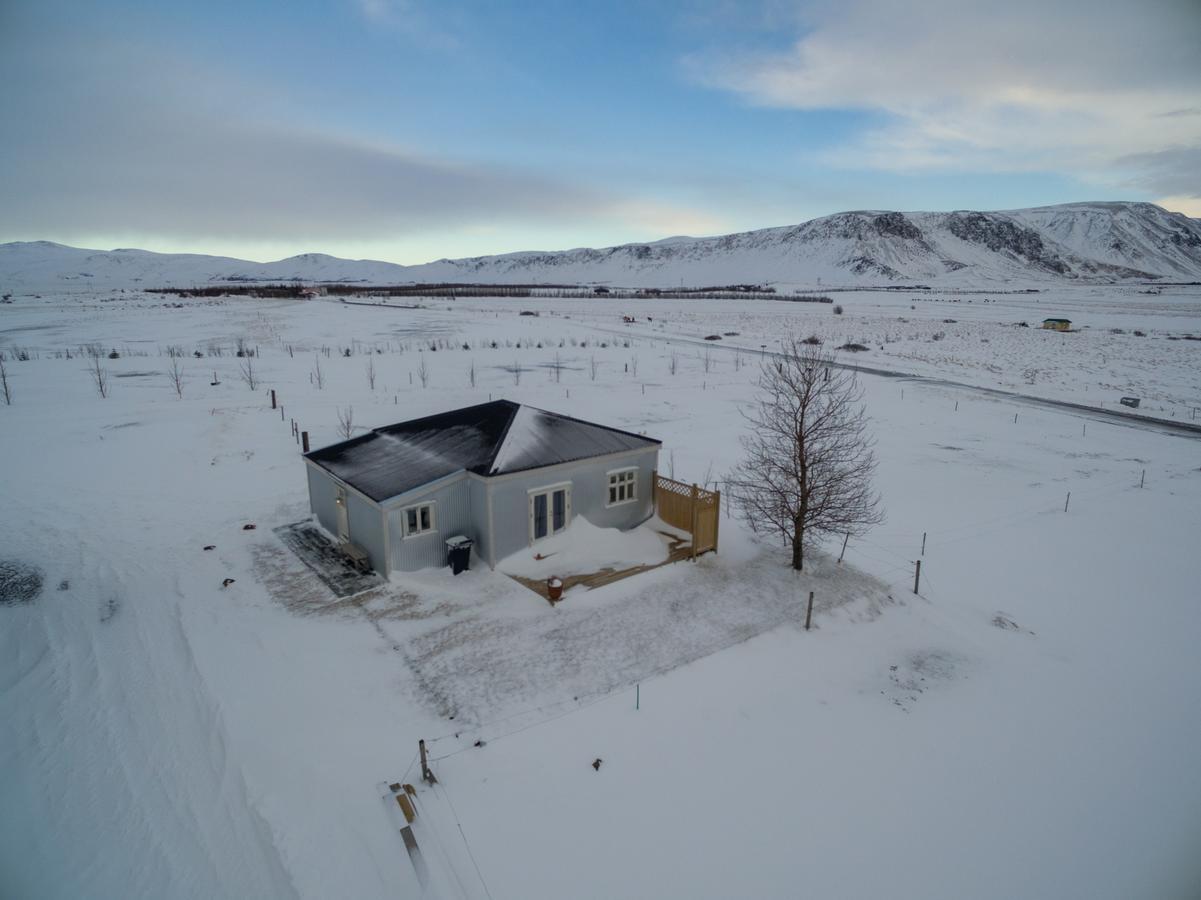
550, 490
420, 532
615, 482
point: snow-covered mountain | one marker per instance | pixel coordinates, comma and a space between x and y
1077, 241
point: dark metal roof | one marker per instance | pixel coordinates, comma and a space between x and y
490, 439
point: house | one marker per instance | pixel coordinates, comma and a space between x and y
501, 473
1058, 324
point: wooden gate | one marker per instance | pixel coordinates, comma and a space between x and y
691, 509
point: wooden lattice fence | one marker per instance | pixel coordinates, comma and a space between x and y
690, 508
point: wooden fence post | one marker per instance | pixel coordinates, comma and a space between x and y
273, 398
716, 517
427, 774
844, 546
693, 520
809, 611
304, 442
917, 576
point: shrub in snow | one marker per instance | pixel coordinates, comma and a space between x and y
838, 309
19, 582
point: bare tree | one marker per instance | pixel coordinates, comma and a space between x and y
707, 360
175, 375
247, 371
8, 396
809, 463
346, 422
557, 368
634, 365
592, 367
423, 371
516, 372
317, 376
673, 362
371, 372
99, 376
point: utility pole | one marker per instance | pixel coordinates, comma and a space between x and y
917, 576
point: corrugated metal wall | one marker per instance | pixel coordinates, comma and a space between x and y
367, 529
589, 496
452, 516
365, 520
322, 494
478, 501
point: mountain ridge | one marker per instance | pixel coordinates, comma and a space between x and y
1099, 241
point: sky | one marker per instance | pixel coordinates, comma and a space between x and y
409, 130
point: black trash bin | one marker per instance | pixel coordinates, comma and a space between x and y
458, 553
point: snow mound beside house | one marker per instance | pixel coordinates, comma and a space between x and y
584, 547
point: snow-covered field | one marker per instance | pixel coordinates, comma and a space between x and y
1026, 725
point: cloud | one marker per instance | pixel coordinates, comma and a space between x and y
1190, 206
409, 18
117, 142
1079, 87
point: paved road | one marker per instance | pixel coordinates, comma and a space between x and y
1109, 416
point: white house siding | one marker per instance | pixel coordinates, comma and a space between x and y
589, 496
453, 515
366, 523
477, 491
323, 492
364, 519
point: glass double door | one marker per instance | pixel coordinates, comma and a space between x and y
550, 511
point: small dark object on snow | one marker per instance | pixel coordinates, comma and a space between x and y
64, 585
854, 348
713, 337
227, 582
479, 743
596, 763
210, 546
249, 527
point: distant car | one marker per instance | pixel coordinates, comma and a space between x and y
1132, 402
713, 337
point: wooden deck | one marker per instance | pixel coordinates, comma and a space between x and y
677, 549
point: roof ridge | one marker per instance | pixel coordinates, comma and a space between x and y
384, 429
500, 442
632, 434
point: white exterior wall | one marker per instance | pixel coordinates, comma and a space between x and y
589, 496
453, 515
363, 517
